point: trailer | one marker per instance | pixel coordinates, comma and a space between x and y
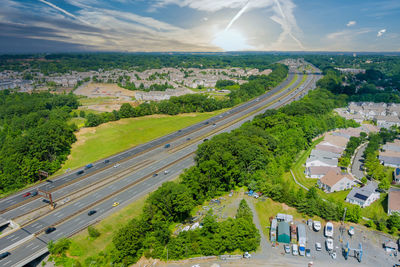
301, 234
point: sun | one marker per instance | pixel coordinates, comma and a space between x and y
231, 40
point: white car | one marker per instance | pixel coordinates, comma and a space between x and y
317, 225
116, 165
329, 229
329, 244
247, 255
295, 250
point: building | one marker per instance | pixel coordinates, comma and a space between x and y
363, 196
327, 162
283, 232
336, 181
284, 217
393, 201
301, 234
390, 246
272, 230
315, 153
396, 176
319, 171
390, 161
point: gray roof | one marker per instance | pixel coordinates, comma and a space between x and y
341, 134
361, 194
391, 147
323, 153
390, 160
328, 161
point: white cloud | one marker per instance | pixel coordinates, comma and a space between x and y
282, 13
381, 32
351, 23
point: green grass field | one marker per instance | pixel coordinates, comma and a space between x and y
113, 137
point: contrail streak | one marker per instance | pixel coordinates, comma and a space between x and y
62, 11
237, 15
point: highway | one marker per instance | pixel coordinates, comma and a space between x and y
132, 178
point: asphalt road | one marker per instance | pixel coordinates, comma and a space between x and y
73, 216
358, 161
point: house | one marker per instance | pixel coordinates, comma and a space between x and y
337, 141
387, 121
336, 181
324, 154
333, 149
390, 161
391, 147
283, 232
272, 230
319, 171
393, 201
301, 234
321, 162
284, 217
363, 196
396, 176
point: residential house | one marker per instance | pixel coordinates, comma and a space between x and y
319, 171
387, 121
390, 246
393, 201
336, 181
390, 161
328, 162
324, 154
363, 196
329, 148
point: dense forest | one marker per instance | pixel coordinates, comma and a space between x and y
34, 135
62, 63
256, 86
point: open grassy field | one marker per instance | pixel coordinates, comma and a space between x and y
113, 137
82, 246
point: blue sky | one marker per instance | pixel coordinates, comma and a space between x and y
199, 25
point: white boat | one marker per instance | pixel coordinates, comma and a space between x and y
317, 226
333, 255
329, 244
351, 230
329, 229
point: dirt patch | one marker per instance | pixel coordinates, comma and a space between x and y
92, 90
285, 207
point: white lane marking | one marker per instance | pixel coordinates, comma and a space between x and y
15, 238
10, 236
29, 245
34, 247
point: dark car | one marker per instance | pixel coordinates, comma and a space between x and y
46, 201
167, 145
156, 174
34, 193
4, 254
27, 194
91, 212
106, 161
80, 172
206, 122
49, 230
205, 140
187, 139
89, 166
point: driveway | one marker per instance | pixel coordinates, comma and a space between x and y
357, 163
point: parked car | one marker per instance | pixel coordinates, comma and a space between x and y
295, 250
308, 252
318, 246
91, 212
27, 194
49, 230
317, 225
351, 231
247, 255
329, 229
115, 204
4, 254
287, 249
329, 244
302, 250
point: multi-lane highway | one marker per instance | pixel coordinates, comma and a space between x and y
134, 176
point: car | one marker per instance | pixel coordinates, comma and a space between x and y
214, 124
247, 255
106, 161
317, 225
308, 252
351, 231
287, 249
329, 244
206, 122
166, 172
187, 139
155, 174
116, 165
115, 204
34, 193
295, 250
46, 201
318, 246
196, 265
89, 166
329, 229
27, 194
4, 254
80, 172
302, 250
167, 145
205, 140
49, 230
91, 212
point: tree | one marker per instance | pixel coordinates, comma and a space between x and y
59, 247
384, 185
244, 211
82, 114
93, 232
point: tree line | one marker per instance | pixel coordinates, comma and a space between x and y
34, 135
256, 86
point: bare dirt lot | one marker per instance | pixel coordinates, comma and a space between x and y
104, 97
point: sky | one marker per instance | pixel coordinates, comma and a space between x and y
31, 26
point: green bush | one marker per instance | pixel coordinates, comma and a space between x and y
93, 232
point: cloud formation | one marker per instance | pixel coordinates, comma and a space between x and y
381, 32
351, 23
